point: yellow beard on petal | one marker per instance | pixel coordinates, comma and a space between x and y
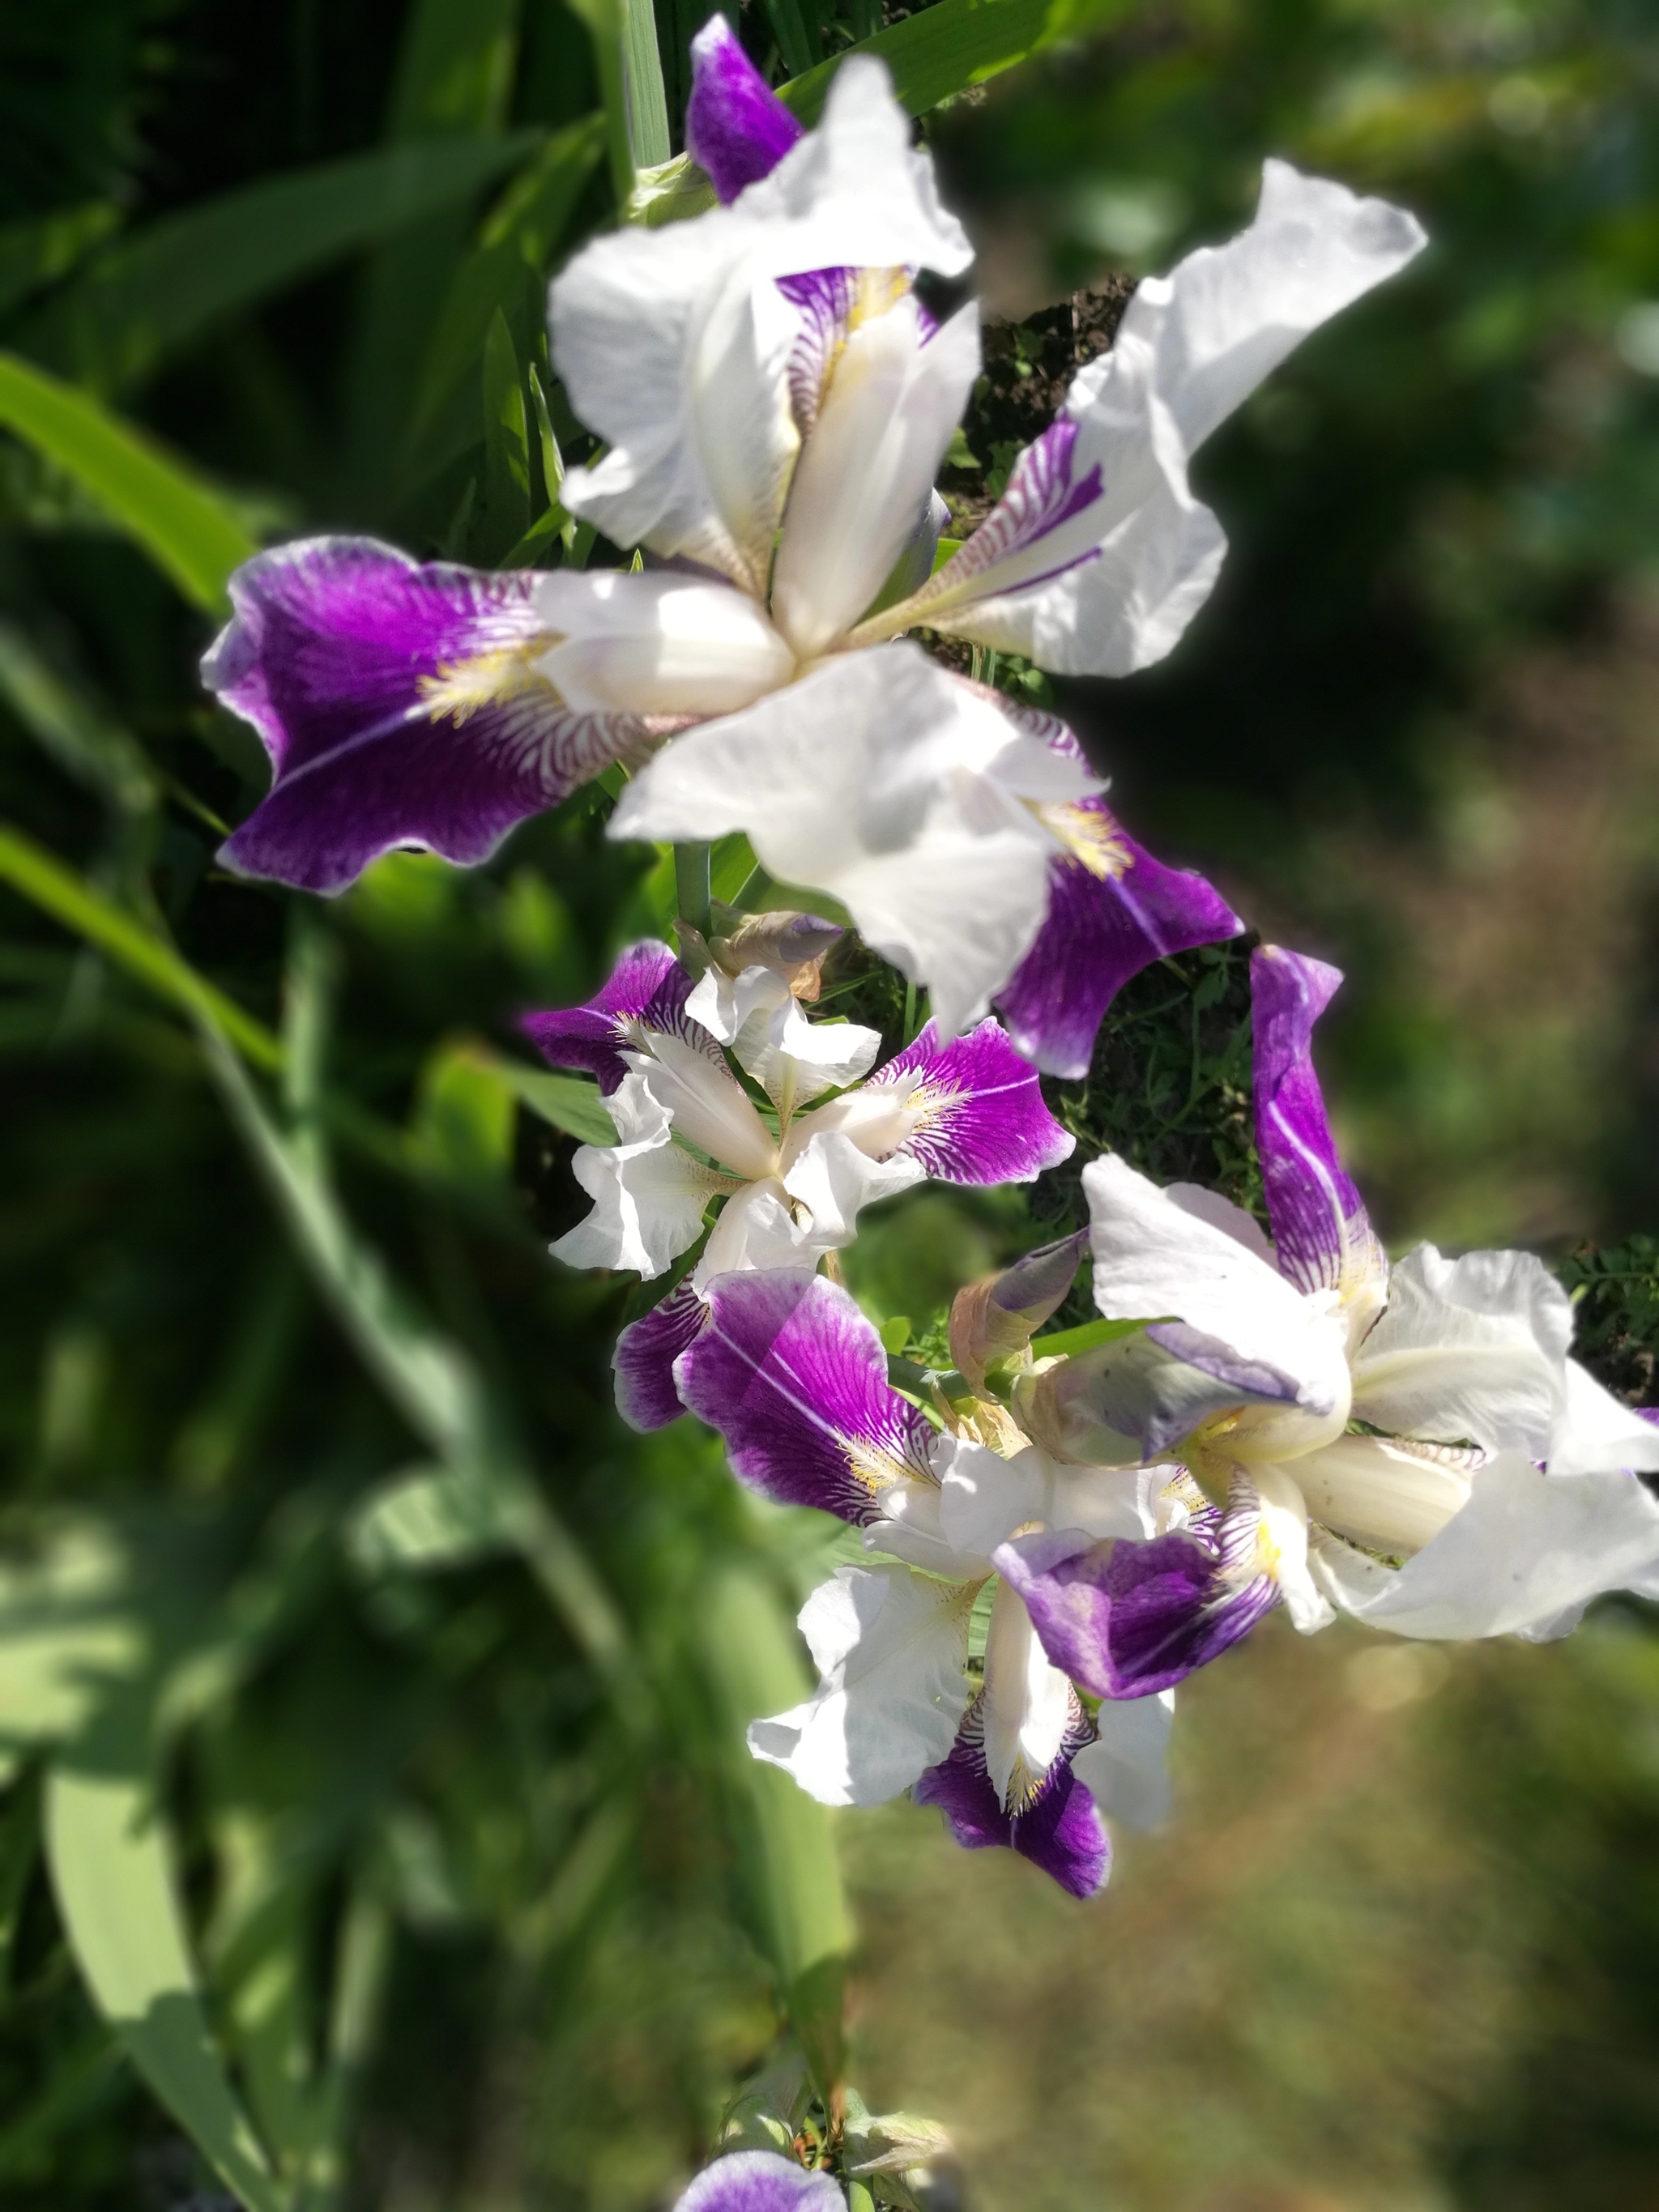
877, 1470
460, 688
1088, 835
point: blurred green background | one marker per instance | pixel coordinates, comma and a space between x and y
466, 1852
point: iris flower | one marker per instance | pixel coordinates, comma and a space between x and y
794, 1179
794, 1378
1411, 1444
773, 401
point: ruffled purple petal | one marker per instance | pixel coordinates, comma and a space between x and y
795, 1380
1105, 922
736, 128
1125, 1619
983, 1118
1321, 1234
1058, 1828
646, 989
646, 1394
399, 706
761, 2180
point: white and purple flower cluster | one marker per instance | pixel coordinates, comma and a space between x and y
1053, 1543
1057, 1542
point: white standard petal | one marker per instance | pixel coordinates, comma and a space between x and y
1595, 1433
880, 779
674, 348
891, 1649
708, 1106
674, 344
1470, 1349
658, 644
648, 1195
1154, 1258
1526, 1549
864, 479
1125, 1769
856, 192
1028, 1703
793, 1059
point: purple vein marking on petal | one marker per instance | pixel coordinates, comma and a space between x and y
1059, 1829
1322, 1233
1041, 495
646, 1397
1125, 1619
399, 706
983, 1119
795, 1379
737, 129
644, 996
823, 298
831, 303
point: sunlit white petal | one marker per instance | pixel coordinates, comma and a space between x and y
891, 1648
866, 476
1126, 1770
880, 779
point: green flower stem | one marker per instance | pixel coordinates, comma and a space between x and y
691, 882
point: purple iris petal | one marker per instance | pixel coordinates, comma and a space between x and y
983, 1118
1321, 1234
1125, 1619
647, 988
795, 1379
1058, 1828
1101, 930
399, 707
646, 1397
736, 128
761, 2181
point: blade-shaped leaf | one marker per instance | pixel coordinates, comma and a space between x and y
71, 1634
110, 1859
45, 880
420, 1522
183, 526
42, 248
516, 239
505, 514
157, 292
788, 1853
454, 79
431, 1380
940, 50
647, 106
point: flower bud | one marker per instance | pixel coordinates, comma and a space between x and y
998, 1316
791, 944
